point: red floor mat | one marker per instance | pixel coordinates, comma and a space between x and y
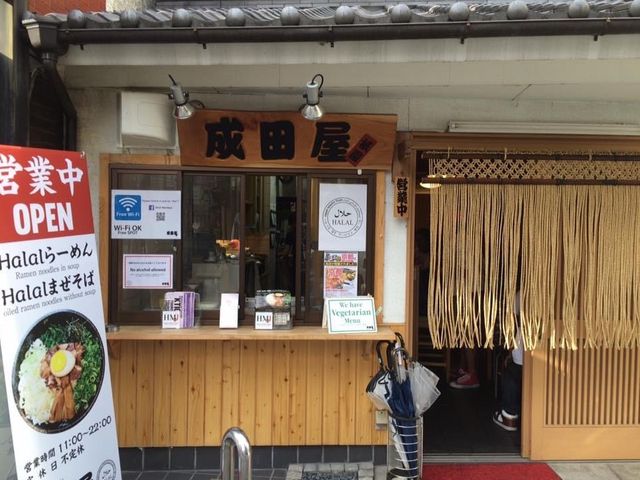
489, 471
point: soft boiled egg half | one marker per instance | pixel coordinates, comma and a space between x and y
62, 362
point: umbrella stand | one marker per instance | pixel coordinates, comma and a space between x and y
404, 448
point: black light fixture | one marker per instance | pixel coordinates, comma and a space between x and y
312, 93
180, 97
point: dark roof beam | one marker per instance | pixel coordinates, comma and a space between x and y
41, 31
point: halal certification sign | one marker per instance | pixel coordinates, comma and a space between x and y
107, 470
342, 217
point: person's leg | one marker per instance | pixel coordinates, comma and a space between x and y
468, 377
508, 415
512, 389
470, 360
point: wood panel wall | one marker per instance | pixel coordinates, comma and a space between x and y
181, 393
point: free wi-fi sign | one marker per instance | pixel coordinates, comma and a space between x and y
146, 214
128, 207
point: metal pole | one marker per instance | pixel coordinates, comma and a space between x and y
235, 437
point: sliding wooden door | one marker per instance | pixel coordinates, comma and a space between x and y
585, 404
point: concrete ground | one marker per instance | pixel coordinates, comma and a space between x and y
6, 452
597, 470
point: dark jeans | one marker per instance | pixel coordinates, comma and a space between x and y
512, 388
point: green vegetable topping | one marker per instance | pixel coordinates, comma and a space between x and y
75, 332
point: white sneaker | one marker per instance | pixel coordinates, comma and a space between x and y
505, 421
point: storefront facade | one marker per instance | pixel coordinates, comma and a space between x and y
301, 388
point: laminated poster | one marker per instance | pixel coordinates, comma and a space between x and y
146, 214
342, 223
340, 274
52, 332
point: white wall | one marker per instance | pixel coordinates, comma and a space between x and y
6, 29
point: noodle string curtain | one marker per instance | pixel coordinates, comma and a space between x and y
573, 252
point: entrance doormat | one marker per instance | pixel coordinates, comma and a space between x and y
489, 471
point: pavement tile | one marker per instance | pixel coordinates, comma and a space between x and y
380, 472
626, 471
583, 471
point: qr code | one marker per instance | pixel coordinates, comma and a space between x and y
160, 216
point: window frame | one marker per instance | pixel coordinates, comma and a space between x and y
300, 175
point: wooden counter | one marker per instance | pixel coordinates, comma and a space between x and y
293, 387
212, 332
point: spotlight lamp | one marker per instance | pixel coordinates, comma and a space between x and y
312, 93
183, 109
432, 181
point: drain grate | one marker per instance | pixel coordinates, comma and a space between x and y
329, 475
335, 471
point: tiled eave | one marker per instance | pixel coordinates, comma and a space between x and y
334, 23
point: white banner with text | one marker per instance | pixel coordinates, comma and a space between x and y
53, 339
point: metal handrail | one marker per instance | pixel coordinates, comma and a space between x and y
235, 437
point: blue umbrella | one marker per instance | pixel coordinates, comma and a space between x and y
402, 409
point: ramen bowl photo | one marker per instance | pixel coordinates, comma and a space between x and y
58, 371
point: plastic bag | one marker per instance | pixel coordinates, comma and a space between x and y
379, 388
424, 387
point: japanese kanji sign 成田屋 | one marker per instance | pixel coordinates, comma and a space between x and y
277, 139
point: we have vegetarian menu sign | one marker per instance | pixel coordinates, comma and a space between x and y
51, 321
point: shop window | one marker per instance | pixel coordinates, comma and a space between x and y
240, 233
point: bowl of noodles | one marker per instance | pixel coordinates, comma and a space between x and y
58, 371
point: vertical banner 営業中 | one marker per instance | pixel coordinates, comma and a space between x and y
52, 330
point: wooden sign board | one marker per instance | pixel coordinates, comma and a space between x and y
227, 138
401, 197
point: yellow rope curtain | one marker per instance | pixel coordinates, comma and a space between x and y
573, 252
